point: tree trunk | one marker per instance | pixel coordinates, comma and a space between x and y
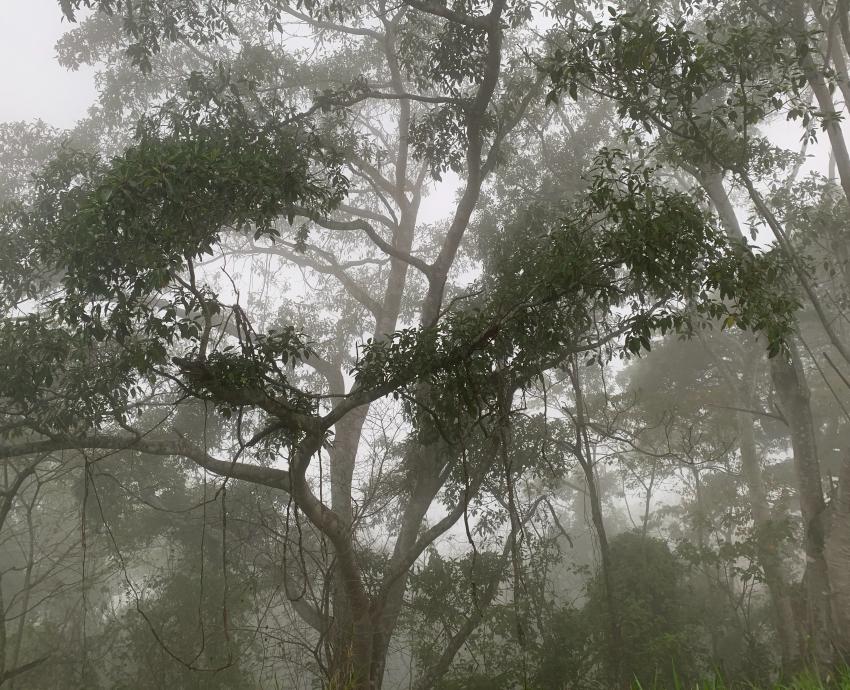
350, 632
27, 589
837, 558
615, 644
820, 87
425, 465
351, 661
768, 554
583, 454
793, 400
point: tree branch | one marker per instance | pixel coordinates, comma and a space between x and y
367, 228
330, 26
171, 446
437, 10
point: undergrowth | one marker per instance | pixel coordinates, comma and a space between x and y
804, 681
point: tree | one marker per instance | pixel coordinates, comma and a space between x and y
704, 87
653, 612
722, 400
116, 279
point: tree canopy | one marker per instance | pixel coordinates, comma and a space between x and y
349, 336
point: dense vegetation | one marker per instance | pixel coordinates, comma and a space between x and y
485, 344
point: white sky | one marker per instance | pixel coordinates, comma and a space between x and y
32, 83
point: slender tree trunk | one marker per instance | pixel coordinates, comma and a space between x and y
583, 454
837, 558
27, 589
647, 505
2, 632
702, 540
768, 554
819, 86
793, 400
615, 644
793, 396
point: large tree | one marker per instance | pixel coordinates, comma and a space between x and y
377, 397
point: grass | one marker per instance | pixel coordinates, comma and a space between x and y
804, 681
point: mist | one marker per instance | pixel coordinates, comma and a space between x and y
424, 346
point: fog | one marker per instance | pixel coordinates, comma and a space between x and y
436, 346
34, 85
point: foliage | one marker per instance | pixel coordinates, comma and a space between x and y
315, 438
648, 586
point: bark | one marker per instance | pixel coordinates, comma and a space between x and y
799, 269
386, 608
837, 524
351, 661
349, 430
712, 182
475, 171
833, 50
793, 401
425, 465
842, 12
19, 670
345, 628
427, 470
347, 437
768, 555
837, 558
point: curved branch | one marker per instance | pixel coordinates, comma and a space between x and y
23, 668
368, 215
436, 670
405, 561
331, 268
373, 235
437, 10
406, 96
171, 446
331, 26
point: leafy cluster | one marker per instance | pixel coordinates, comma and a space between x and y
642, 257
707, 89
